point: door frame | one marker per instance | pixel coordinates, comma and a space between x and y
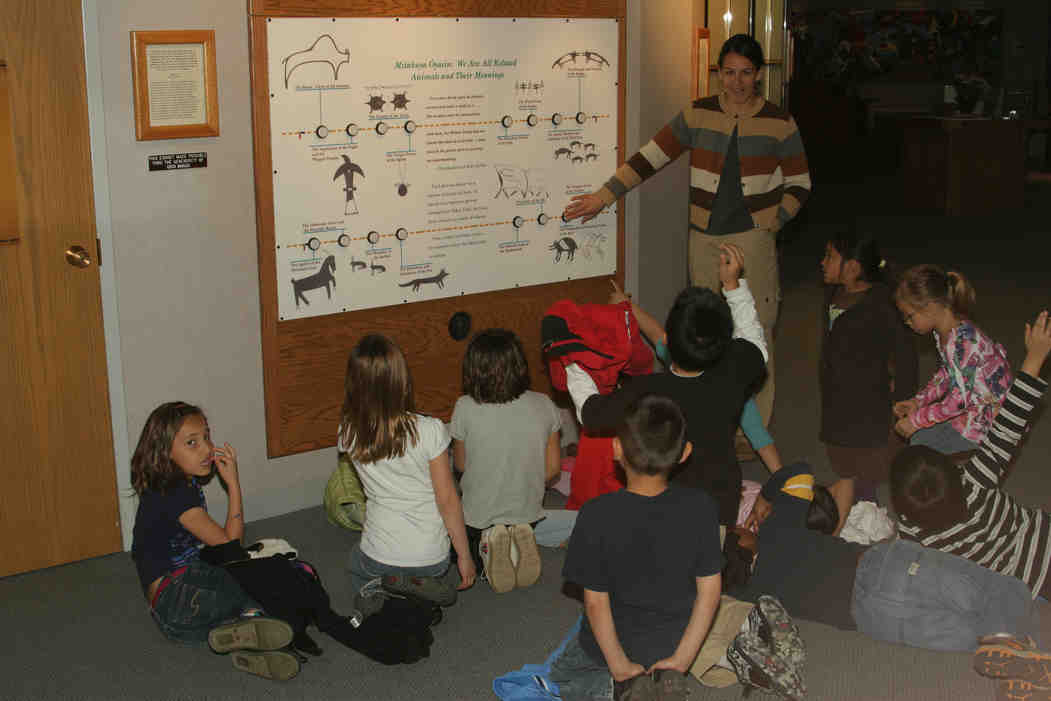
126, 499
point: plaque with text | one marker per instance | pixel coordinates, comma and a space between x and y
175, 84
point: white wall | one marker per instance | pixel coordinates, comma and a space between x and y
665, 30
181, 289
185, 264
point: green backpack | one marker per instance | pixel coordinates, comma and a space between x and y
344, 496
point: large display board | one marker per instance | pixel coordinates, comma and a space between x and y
419, 158
305, 352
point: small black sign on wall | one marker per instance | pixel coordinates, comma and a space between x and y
178, 161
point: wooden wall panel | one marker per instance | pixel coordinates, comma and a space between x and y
304, 360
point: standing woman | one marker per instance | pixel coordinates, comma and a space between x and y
748, 176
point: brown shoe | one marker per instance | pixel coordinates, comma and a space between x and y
1019, 690
1009, 657
527, 571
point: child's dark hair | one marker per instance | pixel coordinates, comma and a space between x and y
926, 487
377, 420
922, 284
743, 45
864, 249
822, 514
152, 467
699, 329
495, 370
652, 434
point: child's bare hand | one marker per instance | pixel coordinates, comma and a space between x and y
760, 511
731, 264
468, 572
903, 409
905, 427
617, 295
1037, 343
628, 671
226, 463
681, 666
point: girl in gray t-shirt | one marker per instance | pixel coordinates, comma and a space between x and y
506, 444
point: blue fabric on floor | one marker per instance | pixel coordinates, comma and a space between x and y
532, 683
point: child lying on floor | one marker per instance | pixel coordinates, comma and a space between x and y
963, 509
897, 591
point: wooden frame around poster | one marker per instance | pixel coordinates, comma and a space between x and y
141, 41
304, 360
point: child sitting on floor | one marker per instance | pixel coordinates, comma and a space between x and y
719, 357
190, 600
402, 458
506, 444
955, 410
648, 559
963, 509
751, 420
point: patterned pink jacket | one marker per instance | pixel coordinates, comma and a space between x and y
969, 386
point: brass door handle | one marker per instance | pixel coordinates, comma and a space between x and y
78, 257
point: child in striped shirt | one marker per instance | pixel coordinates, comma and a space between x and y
961, 509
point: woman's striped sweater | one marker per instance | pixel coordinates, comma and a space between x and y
1000, 533
774, 173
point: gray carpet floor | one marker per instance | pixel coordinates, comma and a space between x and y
82, 630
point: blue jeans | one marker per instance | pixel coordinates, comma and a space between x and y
198, 600
906, 593
943, 438
363, 569
579, 677
555, 527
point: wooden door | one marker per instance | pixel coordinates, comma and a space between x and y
59, 497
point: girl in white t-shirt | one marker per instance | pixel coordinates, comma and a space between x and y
402, 459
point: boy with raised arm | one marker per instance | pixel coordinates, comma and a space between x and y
718, 358
648, 559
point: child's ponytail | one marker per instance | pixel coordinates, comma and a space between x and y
961, 293
922, 284
865, 250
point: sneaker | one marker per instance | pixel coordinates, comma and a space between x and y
771, 622
255, 633
495, 548
368, 601
274, 664
1021, 690
527, 569
430, 588
758, 666
1008, 657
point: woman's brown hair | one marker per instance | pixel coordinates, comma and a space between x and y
922, 284
495, 370
152, 467
377, 420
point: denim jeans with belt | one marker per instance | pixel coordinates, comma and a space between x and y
196, 601
906, 593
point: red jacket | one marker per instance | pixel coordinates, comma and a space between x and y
603, 339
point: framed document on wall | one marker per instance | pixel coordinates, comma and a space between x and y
175, 84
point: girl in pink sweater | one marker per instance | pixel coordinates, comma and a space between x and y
954, 411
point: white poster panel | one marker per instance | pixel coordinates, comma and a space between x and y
420, 158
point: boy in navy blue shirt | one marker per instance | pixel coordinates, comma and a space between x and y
648, 559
